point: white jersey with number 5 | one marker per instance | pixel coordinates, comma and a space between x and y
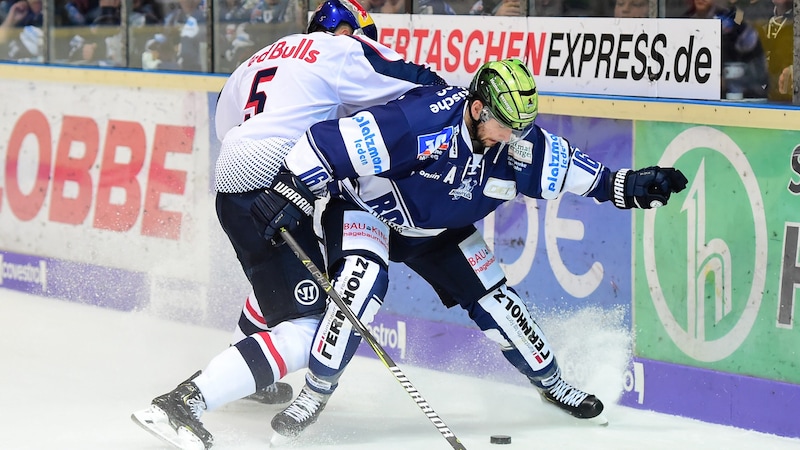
271, 99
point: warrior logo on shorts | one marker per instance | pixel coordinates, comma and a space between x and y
306, 292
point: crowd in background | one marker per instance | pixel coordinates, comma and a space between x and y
757, 35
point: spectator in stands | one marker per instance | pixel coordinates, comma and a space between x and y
539, 8
777, 37
756, 12
786, 82
5, 5
384, 6
96, 49
144, 12
190, 19
238, 46
145, 21
270, 20
160, 54
80, 12
151, 56
632, 8
21, 35
274, 11
743, 58
108, 13
499, 8
19, 15
234, 17
22, 13
435, 7
81, 51
233, 12
99, 42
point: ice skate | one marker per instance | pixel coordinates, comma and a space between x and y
301, 413
575, 402
273, 394
175, 418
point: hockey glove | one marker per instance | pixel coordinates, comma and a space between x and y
283, 205
645, 188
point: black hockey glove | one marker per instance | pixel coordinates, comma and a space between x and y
645, 188
283, 205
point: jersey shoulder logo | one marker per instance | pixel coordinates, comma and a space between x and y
500, 189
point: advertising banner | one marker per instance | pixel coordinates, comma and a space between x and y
111, 176
677, 58
716, 277
80, 282
104, 195
717, 274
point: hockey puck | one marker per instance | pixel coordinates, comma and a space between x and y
500, 439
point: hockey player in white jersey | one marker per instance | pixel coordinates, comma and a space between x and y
264, 107
234, 106
408, 181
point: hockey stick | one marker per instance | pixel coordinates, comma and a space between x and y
365, 333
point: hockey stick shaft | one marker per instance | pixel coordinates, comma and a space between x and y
323, 282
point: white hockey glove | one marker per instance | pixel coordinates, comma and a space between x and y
645, 188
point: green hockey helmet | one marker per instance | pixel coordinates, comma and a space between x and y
509, 92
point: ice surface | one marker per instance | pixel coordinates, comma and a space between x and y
72, 374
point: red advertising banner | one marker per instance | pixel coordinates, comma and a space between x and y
117, 172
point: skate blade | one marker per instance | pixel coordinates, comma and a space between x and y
155, 421
599, 420
279, 440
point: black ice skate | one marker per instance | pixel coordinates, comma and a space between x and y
175, 418
574, 401
301, 413
273, 394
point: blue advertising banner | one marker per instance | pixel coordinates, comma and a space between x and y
69, 280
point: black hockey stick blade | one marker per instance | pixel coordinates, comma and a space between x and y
326, 286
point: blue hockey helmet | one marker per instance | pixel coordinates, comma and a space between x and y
332, 13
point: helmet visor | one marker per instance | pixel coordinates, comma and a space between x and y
516, 132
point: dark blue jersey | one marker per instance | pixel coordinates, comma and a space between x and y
410, 162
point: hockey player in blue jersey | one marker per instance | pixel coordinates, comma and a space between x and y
408, 180
267, 104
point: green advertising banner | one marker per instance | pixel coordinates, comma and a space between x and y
716, 271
